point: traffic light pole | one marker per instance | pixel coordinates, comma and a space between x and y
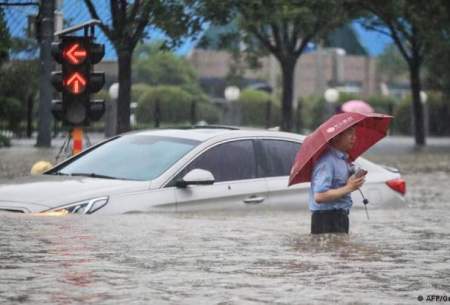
77, 140
77, 80
47, 9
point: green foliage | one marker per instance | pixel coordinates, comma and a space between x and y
345, 37
4, 141
5, 38
314, 108
408, 23
221, 37
403, 117
175, 106
208, 113
313, 111
392, 64
11, 111
251, 96
281, 27
439, 114
383, 104
156, 66
128, 22
137, 90
18, 82
438, 110
253, 105
438, 59
19, 79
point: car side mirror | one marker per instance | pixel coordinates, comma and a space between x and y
196, 177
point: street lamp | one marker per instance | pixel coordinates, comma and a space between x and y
111, 111
231, 94
423, 97
426, 114
331, 96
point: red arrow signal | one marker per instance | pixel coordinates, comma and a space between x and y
75, 54
76, 83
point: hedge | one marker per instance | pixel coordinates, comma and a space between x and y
175, 106
438, 110
4, 141
253, 106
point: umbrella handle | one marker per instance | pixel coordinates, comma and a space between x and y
365, 202
367, 213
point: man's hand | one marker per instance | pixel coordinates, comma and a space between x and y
354, 183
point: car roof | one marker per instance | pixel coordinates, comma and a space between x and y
206, 133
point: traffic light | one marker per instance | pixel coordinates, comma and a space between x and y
77, 81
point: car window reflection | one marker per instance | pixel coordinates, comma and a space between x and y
278, 157
228, 161
133, 157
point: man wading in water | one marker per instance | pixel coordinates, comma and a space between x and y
331, 184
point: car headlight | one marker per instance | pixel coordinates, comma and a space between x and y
81, 208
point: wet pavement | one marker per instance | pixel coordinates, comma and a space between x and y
396, 257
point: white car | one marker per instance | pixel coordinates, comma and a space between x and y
182, 170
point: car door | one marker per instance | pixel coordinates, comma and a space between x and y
236, 186
276, 157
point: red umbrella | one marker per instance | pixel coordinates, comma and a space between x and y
370, 128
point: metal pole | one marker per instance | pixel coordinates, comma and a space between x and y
30, 102
110, 117
268, 113
298, 116
426, 116
193, 112
47, 8
157, 114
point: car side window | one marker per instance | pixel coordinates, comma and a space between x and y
278, 157
228, 161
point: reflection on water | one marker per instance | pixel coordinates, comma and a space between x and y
259, 258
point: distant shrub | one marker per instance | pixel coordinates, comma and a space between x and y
438, 110
253, 106
383, 104
11, 112
137, 90
174, 105
4, 141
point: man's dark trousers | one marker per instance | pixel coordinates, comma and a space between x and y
332, 221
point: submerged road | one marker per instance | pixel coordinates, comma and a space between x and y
399, 256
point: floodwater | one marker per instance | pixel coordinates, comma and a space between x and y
260, 258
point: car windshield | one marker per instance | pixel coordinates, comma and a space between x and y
131, 157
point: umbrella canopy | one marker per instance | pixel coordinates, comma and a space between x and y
356, 106
369, 129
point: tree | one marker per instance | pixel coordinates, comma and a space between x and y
282, 27
19, 85
155, 66
391, 64
18, 79
438, 61
5, 38
129, 23
405, 22
346, 38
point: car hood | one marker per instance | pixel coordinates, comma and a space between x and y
52, 191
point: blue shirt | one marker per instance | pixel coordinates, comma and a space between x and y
330, 171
